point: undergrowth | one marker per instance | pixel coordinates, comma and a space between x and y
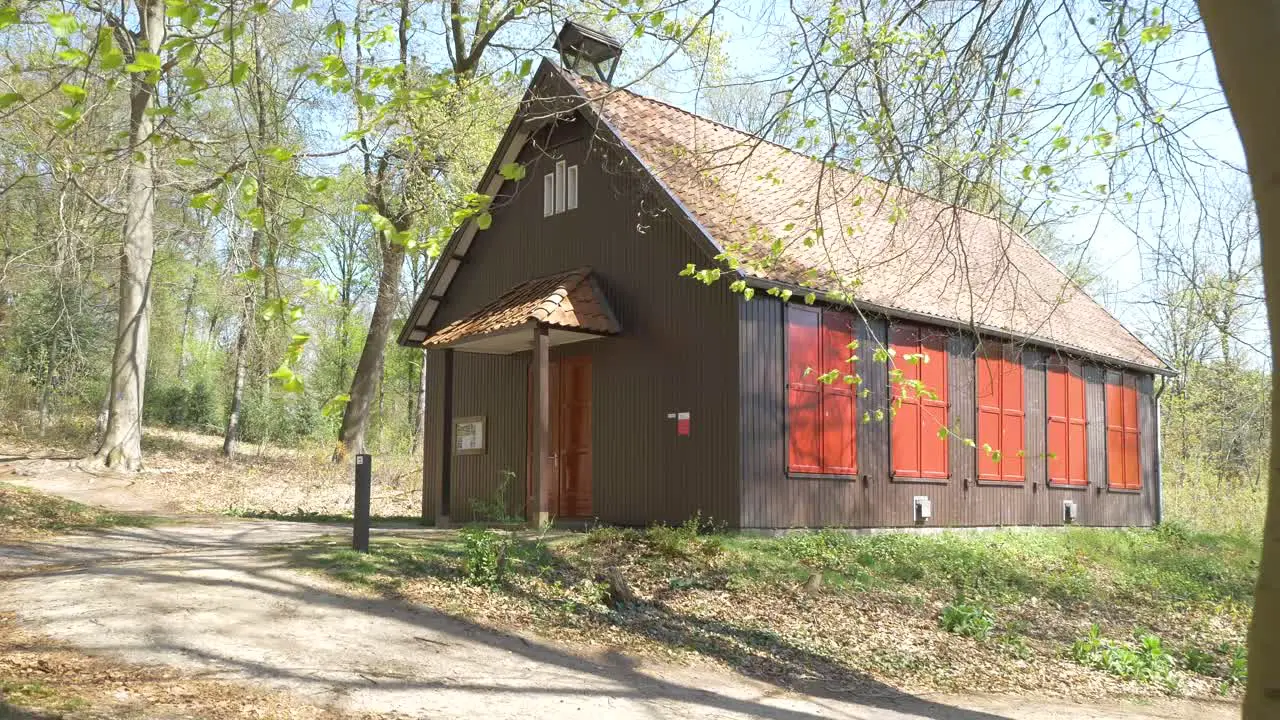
24, 511
890, 606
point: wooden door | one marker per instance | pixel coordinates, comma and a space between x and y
570, 400
572, 435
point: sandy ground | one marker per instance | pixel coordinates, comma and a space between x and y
208, 595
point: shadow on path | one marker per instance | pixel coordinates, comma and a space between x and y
205, 596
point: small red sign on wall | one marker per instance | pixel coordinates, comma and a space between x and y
682, 424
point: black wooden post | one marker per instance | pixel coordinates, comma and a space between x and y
364, 481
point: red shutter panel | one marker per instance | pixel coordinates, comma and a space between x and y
990, 386
1077, 427
1056, 410
1012, 418
934, 405
904, 426
1115, 433
804, 430
1132, 470
838, 422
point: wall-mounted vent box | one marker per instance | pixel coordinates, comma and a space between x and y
923, 508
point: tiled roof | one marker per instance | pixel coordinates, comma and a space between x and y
568, 299
908, 252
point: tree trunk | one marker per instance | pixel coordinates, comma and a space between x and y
122, 443
420, 406
232, 433
186, 325
1245, 37
355, 418
45, 391
248, 313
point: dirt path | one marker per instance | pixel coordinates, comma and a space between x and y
206, 595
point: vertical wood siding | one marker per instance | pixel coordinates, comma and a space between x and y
433, 451
678, 350
772, 499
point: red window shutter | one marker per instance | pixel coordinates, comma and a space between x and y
1132, 466
1001, 416
916, 448
990, 386
839, 426
803, 393
1116, 476
933, 372
1013, 435
905, 424
1077, 427
1067, 433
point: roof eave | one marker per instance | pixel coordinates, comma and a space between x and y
765, 284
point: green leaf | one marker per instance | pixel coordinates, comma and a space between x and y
252, 275
63, 24
526, 66
280, 154
144, 62
184, 162
1098, 90
8, 99
8, 16
484, 221
300, 5
256, 218
195, 77
75, 92
238, 71
336, 404
513, 171
320, 184
202, 201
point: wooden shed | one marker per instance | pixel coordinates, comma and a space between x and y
965, 381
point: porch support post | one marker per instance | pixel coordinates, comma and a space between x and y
540, 512
446, 440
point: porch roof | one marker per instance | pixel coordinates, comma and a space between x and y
569, 301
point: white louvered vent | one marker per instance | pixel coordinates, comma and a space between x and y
571, 188
560, 190
549, 195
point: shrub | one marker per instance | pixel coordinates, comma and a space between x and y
1200, 662
819, 552
695, 537
1237, 665
484, 554
1148, 662
967, 619
496, 508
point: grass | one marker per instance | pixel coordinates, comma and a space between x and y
311, 516
27, 512
951, 612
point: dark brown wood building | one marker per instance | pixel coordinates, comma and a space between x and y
963, 381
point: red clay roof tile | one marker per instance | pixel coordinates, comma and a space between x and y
569, 299
906, 251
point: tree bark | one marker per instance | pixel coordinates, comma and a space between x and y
1245, 37
122, 442
248, 312
186, 325
232, 433
355, 418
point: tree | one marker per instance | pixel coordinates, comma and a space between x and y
1245, 36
